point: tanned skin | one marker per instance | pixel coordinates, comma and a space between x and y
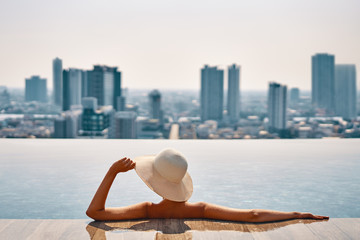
171, 209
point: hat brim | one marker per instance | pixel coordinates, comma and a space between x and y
178, 192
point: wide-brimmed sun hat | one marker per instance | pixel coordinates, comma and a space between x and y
166, 174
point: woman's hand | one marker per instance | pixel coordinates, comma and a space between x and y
122, 165
312, 216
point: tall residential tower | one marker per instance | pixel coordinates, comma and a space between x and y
212, 93
233, 98
72, 88
277, 106
155, 104
104, 83
57, 81
345, 90
323, 82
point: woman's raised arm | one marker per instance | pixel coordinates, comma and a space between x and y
97, 210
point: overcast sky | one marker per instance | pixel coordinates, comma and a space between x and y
164, 43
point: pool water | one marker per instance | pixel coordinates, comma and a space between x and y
58, 178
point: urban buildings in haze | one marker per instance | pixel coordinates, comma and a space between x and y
72, 89
294, 97
345, 91
4, 96
35, 89
124, 125
233, 97
277, 106
323, 82
57, 81
212, 93
140, 113
104, 83
66, 125
155, 105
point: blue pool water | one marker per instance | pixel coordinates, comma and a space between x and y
57, 178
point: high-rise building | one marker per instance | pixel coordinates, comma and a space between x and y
277, 106
104, 83
95, 120
233, 98
124, 125
57, 81
72, 92
155, 104
345, 90
212, 93
35, 89
294, 96
323, 82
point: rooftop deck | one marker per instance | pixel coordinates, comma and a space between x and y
335, 228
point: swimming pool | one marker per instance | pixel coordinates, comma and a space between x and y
57, 178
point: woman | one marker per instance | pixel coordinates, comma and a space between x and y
166, 174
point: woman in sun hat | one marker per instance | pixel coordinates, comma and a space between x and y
166, 174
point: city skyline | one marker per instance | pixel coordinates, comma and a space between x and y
150, 51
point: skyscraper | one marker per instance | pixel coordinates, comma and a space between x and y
155, 104
277, 106
35, 89
345, 90
72, 90
233, 102
323, 82
212, 93
57, 82
104, 83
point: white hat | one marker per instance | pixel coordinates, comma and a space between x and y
166, 174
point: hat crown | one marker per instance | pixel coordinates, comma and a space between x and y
171, 165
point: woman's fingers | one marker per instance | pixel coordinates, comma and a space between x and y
312, 216
129, 164
132, 166
318, 217
123, 159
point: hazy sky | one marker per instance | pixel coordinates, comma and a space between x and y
164, 43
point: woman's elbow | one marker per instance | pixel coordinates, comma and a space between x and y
202, 209
254, 216
93, 214
90, 213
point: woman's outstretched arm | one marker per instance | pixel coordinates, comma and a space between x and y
254, 215
97, 210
